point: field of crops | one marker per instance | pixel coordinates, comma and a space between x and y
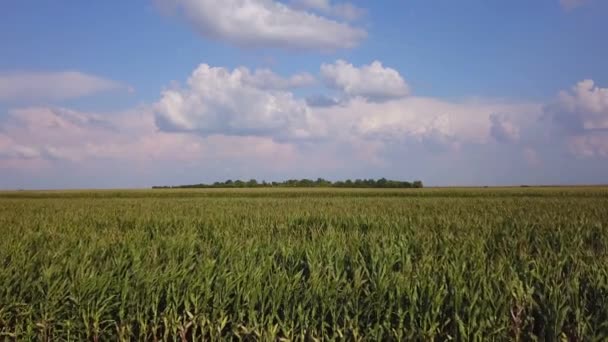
320, 264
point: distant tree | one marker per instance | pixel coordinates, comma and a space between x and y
322, 182
305, 183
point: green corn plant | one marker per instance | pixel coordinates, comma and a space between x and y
298, 264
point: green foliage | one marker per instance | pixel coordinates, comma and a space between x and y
303, 183
294, 264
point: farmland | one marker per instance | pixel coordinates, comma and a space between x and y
305, 264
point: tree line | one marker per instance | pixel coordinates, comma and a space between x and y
304, 183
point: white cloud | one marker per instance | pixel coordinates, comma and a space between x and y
572, 4
584, 107
581, 116
267, 79
345, 10
373, 82
502, 129
46, 134
53, 86
237, 124
590, 145
67, 148
266, 23
220, 101
241, 103
64, 134
427, 120
10, 150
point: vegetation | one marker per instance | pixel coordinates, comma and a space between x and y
305, 264
304, 183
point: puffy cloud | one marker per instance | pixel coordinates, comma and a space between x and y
502, 129
585, 107
53, 86
267, 79
571, 4
239, 103
220, 101
68, 148
345, 10
373, 82
266, 23
581, 116
63, 134
426, 120
248, 124
49, 134
590, 145
41, 125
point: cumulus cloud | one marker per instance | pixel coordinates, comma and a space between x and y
266, 23
345, 10
267, 79
426, 120
373, 82
239, 119
590, 145
584, 107
581, 118
53, 86
68, 148
502, 129
49, 134
220, 101
58, 133
237, 102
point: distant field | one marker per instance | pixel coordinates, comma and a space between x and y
303, 264
584, 191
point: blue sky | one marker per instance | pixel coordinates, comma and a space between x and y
144, 92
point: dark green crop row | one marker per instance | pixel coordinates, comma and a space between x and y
465, 264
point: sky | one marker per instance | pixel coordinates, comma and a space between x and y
129, 94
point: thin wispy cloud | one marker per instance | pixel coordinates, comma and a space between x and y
53, 85
569, 5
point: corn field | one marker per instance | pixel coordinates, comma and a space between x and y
515, 264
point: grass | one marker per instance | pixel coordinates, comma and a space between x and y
305, 264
